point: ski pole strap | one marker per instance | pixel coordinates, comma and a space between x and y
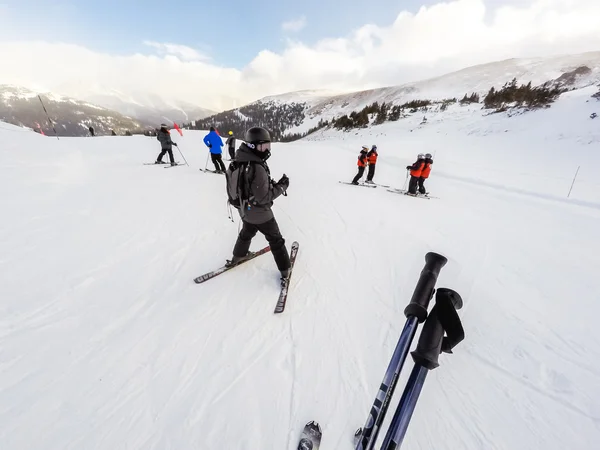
443, 319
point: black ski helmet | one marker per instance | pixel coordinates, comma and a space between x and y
257, 135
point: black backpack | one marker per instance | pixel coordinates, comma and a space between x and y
239, 176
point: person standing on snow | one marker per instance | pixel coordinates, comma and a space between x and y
214, 142
415, 173
425, 173
231, 145
166, 144
372, 160
361, 163
255, 211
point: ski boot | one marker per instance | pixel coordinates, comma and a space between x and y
237, 260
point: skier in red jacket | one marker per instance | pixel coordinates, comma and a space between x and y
425, 173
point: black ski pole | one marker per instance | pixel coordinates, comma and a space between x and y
415, 312
443, 318
48, 117
182, 155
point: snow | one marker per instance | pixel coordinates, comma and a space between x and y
456, 84
105, 341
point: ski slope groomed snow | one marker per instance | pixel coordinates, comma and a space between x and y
106, 342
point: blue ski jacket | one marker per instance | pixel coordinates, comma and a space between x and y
213, 141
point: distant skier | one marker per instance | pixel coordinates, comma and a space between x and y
91, 130
372, 160
166, 144
425, 173
214, 142
415, 173
231, 145
249, 172
361, 163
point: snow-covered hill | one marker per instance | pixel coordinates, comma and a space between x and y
477, 79
106, 343
72, 117
311, 107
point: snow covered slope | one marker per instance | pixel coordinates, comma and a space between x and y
72, 117
106, 343
572, 71
478, 79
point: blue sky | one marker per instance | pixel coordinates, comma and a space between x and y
210, 53
232, 32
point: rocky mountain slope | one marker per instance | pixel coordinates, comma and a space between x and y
71, 117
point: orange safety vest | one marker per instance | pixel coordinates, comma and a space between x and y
372, 158
362, 160
417, 172
426, 170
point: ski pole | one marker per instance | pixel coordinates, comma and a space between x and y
182, 155
442, 318
405, 181
206, 165
415, 312
48, 117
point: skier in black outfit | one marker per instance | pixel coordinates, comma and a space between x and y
166, 144
231, 145
255, 211
361, 163
91, 130
415, 173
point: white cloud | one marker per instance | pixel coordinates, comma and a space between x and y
184, 52
294, 25
436, 39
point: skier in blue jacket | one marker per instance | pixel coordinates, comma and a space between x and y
214, 142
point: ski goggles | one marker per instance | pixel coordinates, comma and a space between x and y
263, 146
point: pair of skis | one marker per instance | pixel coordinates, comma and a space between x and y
405, 192
212, 171
365, 184
283, 294
165, 164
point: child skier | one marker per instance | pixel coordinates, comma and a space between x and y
250, 171
372, 160
425, 173
214, 142
415, 173
166, 144
231, 145
361, 163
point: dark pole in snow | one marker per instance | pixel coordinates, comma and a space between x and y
48, 116
569, 194
415, 312
443, 319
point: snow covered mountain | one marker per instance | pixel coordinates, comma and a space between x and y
150, 108
71, 117
107, 343
293, 114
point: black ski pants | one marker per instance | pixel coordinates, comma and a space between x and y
270, 230
361, 171
421, 185
232, 153
371, 173
412, 184
217, 160
163, 152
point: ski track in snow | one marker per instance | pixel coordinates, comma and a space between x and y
106, 342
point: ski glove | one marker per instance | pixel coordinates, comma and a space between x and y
284, 182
